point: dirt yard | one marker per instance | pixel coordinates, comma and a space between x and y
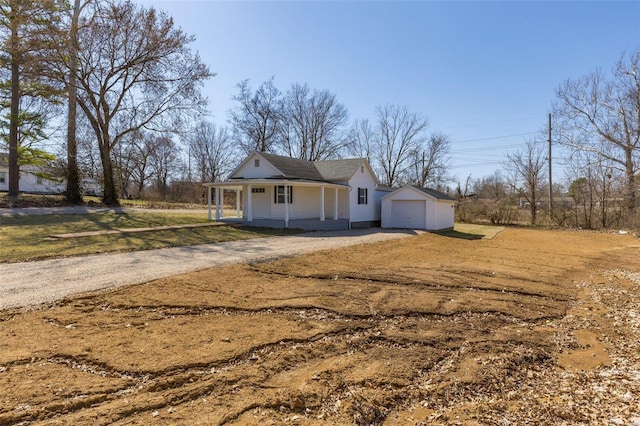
530, 327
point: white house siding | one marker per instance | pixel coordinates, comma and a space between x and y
378, 200
363, 212
249, 170
29, 183
343, 203
306, 204
329, 202
444, 215
260, 207
4, 179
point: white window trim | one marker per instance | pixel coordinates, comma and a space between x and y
280, 195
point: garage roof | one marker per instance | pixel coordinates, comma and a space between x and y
428, 191
434, 193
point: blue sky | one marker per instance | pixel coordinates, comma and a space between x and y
480, 71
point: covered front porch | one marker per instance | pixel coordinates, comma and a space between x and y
280, 203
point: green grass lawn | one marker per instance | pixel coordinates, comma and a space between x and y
25, 238
468, 231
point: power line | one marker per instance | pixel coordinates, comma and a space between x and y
486, 163
486, 148
484, 123
496, 137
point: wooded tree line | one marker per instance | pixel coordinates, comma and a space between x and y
128, 69
312, 125
130, 86
126, 84
597, 120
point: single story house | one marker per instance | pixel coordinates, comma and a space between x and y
283, 192
32, 180
417, 208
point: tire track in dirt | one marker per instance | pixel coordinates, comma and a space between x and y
452, 279
366, 335
360, 337
315, 340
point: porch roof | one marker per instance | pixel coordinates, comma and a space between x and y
291, 182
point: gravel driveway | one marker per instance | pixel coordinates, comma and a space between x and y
32, 283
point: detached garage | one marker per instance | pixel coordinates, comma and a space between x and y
413, 207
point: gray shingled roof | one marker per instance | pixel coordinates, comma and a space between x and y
338, 170
436, 194
292, 168
329, 171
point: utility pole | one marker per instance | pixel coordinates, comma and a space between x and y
550, 180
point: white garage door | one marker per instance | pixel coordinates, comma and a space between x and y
409, 214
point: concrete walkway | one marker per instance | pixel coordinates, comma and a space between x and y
40, 211
136, 230
33, 283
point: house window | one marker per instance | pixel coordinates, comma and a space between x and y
3, 177
363, 196
39, 180
256, 162
278, 194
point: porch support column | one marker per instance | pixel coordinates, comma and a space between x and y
238, 202
335, 204
249, 205
322, 203
218, 209
286, 205
209, 215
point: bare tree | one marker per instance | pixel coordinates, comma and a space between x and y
256, 119
602, 116
88, 154
400, 134
132, 160
73, 191
431, 161
487, 198
580, 191
142, 173
527, 167
594, 189
211, 150
361, 140
312, 124
165, 162
135, 71
462, 194
493, 187
124, 157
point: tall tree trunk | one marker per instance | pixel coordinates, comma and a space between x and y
14, 170
110, 196
73, 193
534, 210
630, 189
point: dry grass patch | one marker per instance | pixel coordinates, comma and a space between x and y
26, 238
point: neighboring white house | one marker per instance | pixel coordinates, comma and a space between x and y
417, 208
31, 179
276, 191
